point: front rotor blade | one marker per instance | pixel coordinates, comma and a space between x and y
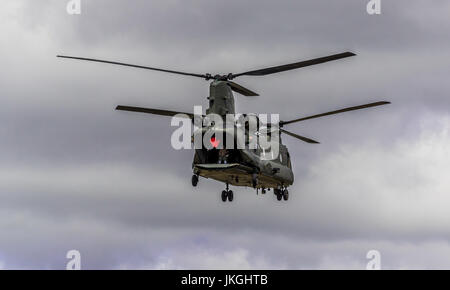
152, 111
281, 68
241, 90
204, 76
307, 140
335, 112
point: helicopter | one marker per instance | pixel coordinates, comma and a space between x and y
245, 166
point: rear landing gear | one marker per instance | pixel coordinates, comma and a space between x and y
286, 194
194, 180
281, 194
227, 195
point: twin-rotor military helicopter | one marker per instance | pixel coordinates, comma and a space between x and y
241, 167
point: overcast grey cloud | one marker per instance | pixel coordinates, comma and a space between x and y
75, 174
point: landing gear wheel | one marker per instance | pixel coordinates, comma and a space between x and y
285, 194
230, 195
277, 192
194, 180
279, 196
224, 196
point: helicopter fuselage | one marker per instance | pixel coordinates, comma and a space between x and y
239, 167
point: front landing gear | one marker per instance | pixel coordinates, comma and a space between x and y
281, 194
224, 195
227, 195
286, 194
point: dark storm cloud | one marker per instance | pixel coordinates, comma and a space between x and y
77, 174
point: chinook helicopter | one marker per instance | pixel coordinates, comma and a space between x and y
248, 167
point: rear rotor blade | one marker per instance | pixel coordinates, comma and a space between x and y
241, 90
152, 111
335, 112
307, 140
281, 68
204, 76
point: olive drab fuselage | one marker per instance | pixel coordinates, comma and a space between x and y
240, 166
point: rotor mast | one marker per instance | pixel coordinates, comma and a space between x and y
220, 99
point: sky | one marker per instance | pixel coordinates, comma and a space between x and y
76, 174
